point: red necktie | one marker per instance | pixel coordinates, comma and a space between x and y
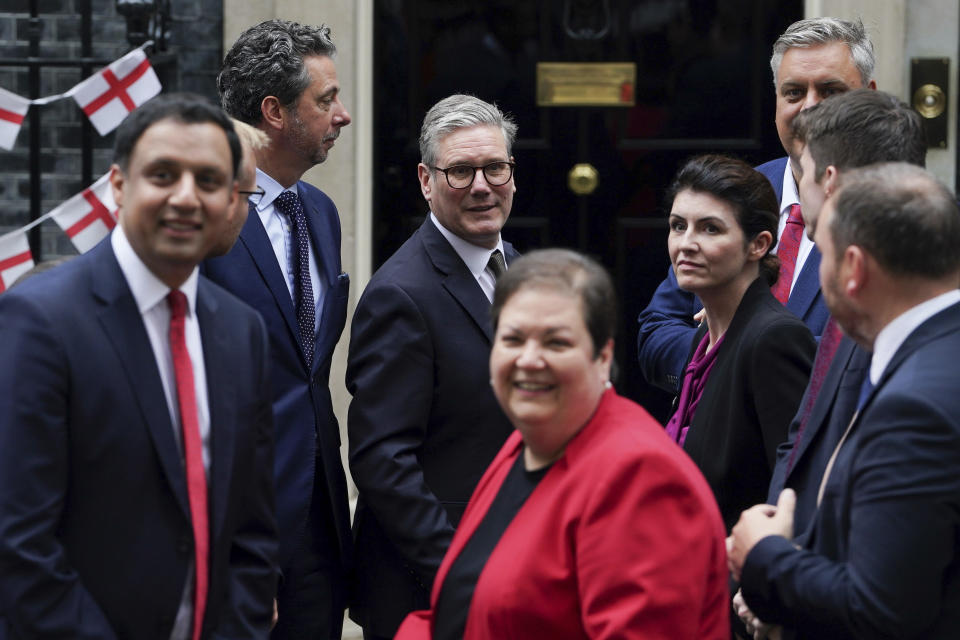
192, 453
826, 350
789, 247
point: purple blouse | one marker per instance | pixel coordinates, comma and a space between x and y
694, 380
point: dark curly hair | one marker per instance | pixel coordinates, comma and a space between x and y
267, 60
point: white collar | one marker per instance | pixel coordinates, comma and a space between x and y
476, 258
893, 335
790, 194
271, 189
147, 289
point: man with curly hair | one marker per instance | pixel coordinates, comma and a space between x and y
280, 77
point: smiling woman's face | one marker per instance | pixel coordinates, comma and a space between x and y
543, 368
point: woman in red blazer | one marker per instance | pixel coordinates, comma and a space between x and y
589, 523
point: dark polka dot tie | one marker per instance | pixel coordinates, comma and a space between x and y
289, 204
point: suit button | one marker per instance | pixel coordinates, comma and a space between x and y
184, 544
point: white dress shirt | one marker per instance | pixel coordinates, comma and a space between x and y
476, 258
899, 329
150, 294
280, 234
789, 197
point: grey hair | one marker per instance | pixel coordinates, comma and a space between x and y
816, 31
457, 112
267, 60
901, 215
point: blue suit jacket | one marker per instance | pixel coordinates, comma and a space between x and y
666, 325
829, 416
302, 409
883, 557
423, 424
95, 534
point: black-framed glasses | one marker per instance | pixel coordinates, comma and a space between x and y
460, 176
259, 192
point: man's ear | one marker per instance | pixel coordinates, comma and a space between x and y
273, 113
830, 178
855, 271
426, 188
117, 180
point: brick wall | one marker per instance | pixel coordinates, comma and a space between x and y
194, 40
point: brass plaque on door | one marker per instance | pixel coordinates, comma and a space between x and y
586, 84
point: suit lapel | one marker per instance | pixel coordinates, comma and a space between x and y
123, 325
826, 403
221, 400
943, 322
458, 280
807, 288
254, 239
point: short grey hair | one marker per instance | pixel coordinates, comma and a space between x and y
460, 111
267, 60
816, 31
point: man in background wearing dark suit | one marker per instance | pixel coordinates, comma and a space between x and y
424, 423
812, 60
136, 436
280, 77
883, 556
847, 131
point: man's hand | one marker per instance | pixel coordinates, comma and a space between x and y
754, 625
756, 523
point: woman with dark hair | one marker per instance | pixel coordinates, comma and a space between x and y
750, 359
589, 523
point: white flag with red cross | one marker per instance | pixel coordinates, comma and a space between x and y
13, 109
108, 96
15, 258
88, 216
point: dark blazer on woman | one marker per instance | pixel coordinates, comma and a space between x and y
751, 396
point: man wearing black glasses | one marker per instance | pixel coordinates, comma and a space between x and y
424, 423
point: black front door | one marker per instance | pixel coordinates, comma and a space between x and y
703, 84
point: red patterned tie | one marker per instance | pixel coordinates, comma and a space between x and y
192, 453
826, 350
789, 247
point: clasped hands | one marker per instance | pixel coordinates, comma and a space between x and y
755, 524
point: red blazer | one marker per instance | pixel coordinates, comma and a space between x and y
621, 539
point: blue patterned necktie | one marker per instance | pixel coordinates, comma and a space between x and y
289, 204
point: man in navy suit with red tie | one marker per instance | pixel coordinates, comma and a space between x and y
280, 77
812, 60
136, 436
882, 557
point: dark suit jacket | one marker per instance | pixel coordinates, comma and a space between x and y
303, 412
666, 325
752, 393
882, 559
95, 534
423, 424
831, 412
